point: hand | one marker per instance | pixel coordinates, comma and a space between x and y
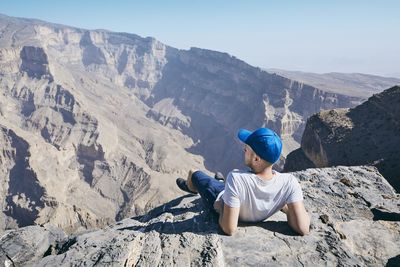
218, 205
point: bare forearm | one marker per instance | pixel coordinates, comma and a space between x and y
298, 219
300, 225
221, 222
219, 208
228, 219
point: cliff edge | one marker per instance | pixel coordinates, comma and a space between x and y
355, 221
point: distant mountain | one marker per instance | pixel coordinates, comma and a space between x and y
354, 84
96, 125
367, 134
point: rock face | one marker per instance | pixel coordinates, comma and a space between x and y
355, 221
34, 62
366, 134
106, 121
220, 94
77, 150
23, 193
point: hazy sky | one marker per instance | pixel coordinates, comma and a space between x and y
315, 36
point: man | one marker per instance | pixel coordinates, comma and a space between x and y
254, 195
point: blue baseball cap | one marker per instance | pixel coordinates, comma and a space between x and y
264, 142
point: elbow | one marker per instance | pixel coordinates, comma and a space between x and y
304, 231
304, 228
229, 230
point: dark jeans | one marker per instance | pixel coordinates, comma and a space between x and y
208, 188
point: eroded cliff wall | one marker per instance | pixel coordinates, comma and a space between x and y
109, 120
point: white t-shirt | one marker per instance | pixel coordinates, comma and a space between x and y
259, 199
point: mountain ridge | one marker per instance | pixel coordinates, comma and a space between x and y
355, 84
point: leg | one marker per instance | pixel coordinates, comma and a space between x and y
190, 184
207, 187
218, 175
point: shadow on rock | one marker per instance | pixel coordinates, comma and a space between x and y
393, 262
171, 207
281, 227
385, 216
196, 224
182, 219
180, 215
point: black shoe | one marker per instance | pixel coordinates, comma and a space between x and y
181, 183
219, 176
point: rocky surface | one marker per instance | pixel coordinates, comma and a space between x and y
366, 134
355, 221
355, 84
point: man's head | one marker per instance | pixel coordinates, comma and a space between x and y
264, 143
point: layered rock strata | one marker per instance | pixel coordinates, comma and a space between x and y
111, 119
76, 154
205, 94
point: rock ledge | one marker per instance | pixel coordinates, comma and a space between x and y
355, 221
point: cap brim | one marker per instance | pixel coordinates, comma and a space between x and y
243, 134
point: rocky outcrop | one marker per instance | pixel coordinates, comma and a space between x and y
355, 221
34, 62
366, 134
21, 194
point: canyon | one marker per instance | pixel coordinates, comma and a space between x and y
95, 126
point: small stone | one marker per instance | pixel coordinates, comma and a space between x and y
324, 218
346, 182
354, 194
341, 235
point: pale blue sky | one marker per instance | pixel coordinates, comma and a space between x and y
314, 36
